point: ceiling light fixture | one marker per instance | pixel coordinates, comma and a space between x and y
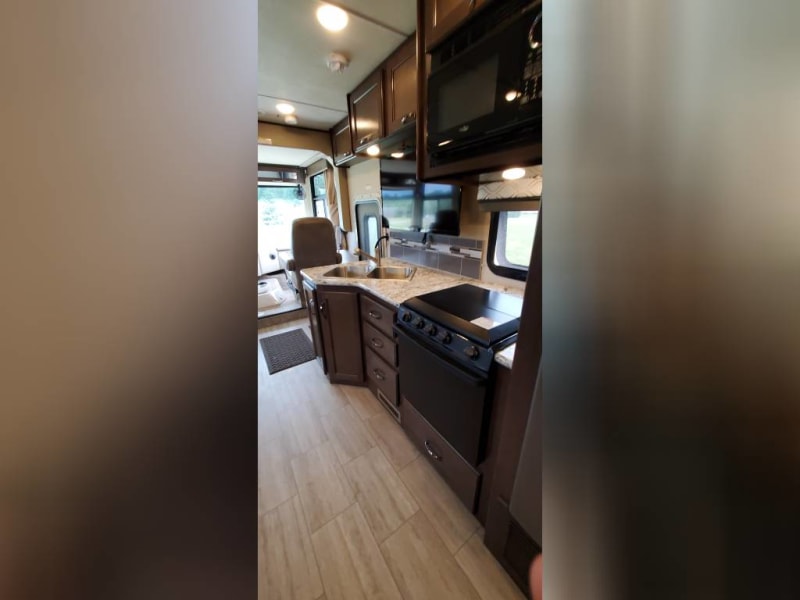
373, 150
284, 108
332, 18
514, 173
445, 142
398, 154
512, 95
290, 120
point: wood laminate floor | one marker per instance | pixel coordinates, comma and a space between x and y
348, 509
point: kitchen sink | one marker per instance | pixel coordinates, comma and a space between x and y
369, 271
392, 273
349, 271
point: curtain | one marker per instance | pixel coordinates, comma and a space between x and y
333, 205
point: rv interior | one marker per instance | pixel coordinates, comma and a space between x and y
399, 298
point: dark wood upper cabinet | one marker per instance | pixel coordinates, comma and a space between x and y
342, 141
341, 335
400, 86
443, 16
366, 111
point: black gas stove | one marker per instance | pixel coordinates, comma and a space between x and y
465, 323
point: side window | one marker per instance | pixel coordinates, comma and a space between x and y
318, 194
510, 242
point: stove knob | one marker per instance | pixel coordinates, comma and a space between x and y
431, 329
472, 352
446, 338
407, 317
420, 323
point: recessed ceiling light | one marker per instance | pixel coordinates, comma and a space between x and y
290, 120
332, 18
512, 95
514, 173
373, 150
398, 154
284, 108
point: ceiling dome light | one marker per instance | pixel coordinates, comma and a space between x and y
332, 18
290, 120
373, 150
284, 108
398, 154
514, 173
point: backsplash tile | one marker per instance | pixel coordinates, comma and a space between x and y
450, 263
430, 258
471, 268
457, 255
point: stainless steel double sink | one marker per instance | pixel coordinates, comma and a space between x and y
370, 271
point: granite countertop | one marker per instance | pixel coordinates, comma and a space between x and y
396, 291
506, 356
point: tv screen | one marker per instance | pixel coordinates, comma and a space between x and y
410, 205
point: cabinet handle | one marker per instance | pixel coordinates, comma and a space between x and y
403, 119
323, 309
379, 374
374, 315
430, 451
376, 343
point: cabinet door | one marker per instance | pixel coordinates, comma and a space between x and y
341, 335
313, 319
400, 72
366, 111
342, 141
443, 16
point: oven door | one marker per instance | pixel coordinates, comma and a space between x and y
455, 401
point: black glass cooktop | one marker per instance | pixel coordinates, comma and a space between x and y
484, 316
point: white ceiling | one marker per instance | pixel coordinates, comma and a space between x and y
295, 157
292, 47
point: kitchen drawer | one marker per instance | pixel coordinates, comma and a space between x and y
377, 315
382, 375
379, 343
457, 472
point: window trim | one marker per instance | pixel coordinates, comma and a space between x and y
497, 269
315, 198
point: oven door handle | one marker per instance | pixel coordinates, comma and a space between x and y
456, 370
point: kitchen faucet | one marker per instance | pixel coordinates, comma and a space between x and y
376, 259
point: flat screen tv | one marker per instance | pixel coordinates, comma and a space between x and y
411, 205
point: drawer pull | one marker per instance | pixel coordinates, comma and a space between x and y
379, 374
376, 343
430, 451
374, 315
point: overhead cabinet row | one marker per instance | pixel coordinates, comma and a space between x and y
380, 105
463, 94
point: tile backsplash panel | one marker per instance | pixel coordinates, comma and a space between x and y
456, 255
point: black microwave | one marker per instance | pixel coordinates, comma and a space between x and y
485, 84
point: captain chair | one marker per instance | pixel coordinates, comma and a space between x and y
313, 245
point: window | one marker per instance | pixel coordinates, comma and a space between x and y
278, 206
318, 194
511, 241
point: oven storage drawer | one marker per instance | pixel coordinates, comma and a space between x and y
458, 473
382, 376
377, 315
379, 343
